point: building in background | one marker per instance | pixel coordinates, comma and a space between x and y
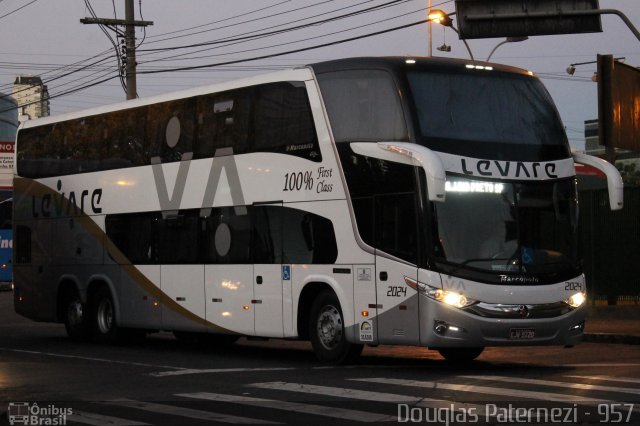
8, 129
32, 97
592, 139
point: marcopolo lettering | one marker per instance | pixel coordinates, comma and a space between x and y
62, 204
508, 169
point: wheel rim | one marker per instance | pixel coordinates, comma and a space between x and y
74, 313
105, 316
329, 327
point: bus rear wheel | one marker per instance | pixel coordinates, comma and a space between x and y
460, 354
327, 332
103, 318
75, 320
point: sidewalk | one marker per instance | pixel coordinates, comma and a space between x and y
613, 324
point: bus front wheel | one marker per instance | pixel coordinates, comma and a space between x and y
460, 354
327, 331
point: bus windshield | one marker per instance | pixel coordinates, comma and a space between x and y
508, 110
502, 227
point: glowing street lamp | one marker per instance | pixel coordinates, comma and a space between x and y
439, 17
444, 19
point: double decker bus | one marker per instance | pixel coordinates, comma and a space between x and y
364, 201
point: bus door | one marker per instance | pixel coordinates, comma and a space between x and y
268, 285
396, 268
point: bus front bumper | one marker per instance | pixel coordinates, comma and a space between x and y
443, 326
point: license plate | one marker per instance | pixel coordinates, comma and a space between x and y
522, 333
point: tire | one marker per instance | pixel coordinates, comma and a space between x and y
103, 318
327, 333
75, 312
460, 354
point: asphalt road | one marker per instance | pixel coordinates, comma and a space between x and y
160, 381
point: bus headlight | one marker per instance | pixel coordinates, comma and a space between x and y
576, 300
447, 297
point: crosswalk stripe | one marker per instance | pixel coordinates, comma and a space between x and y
185, 412
608, 378
487, 390
564, 385
187, 371
392, 398
320, 410
338, 392
100, 420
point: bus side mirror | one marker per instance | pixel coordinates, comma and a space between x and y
614, 180
412, 154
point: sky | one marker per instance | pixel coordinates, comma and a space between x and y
46, 38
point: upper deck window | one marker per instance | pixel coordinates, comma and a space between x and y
273, 117
363, 105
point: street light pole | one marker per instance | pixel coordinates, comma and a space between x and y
508, 40
430, 31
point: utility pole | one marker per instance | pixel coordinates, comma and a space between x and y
129, 24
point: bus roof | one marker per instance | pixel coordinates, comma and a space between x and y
400, 62
294, 74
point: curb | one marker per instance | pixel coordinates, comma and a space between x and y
624, 339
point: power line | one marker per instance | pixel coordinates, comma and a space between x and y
273, 55
222, 20
180, 56
248, 36
20, 8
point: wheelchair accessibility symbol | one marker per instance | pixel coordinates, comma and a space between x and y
286, 272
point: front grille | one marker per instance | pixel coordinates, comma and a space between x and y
504, 311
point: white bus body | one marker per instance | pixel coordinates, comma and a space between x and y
194, 218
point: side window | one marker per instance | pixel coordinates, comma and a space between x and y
170, 130
223, 122
226, 236
283, 121
363, 105
122, 138
266, 235
133, 234
384, 202
397, 226
177, 238
307, 238
32, 161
